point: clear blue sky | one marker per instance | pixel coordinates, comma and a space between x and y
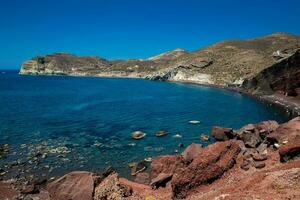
134, 28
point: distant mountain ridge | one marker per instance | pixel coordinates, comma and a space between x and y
225, 63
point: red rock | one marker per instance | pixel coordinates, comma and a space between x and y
286, 132
269, 126
222, 134
161, 180
192, 151
290, 150
258, 164
168, 164
215, 159
7, 191
111, 189
143, 178
259, 157
76, 185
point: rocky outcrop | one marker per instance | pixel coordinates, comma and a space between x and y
281, 77
75, 185
209, 166
224, 170
225, 63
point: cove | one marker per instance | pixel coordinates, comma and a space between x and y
85, 123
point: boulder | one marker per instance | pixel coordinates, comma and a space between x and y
76, 185
161, 180
138, 167
290, 151
286, 132
266, 127
111, 189
168, 164
258, 164
260, 157
161, 133
192, 151
143, 178
250, 136
215, 159
137, 135
221, 133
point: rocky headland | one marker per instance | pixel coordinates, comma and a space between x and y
268, 67
258, 161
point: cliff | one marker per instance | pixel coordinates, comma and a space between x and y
227, 63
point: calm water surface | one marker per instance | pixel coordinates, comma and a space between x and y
57, 124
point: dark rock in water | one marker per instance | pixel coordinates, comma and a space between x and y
76, 185
192, 151
221, 133
161, 133
180, 145
138, 167
143, 178
161, 180
290, 151
137, 135
204, 137
215, 159
4, 150
168, 164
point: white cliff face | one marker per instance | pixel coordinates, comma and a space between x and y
196, 78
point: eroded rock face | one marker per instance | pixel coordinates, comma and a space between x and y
210, 165
111, 189
290, 151
250, 136
222, 134
76, 185
192, 151
286, 132
168, 164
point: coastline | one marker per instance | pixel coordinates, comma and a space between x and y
285, 104
261, 159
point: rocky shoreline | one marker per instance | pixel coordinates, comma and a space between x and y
258, 161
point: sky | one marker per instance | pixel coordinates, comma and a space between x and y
122, 29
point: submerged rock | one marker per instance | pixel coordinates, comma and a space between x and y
204, 137
161, 133
137, 135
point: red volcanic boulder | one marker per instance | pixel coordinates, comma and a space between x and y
143, 178
168, 164
192, 151
76, 185
249, 134
161, 180
290, 151
221, 133
269, 126
214, 160
286, 132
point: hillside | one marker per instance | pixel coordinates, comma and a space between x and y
225, 63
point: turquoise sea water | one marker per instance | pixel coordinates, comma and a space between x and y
86, 123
